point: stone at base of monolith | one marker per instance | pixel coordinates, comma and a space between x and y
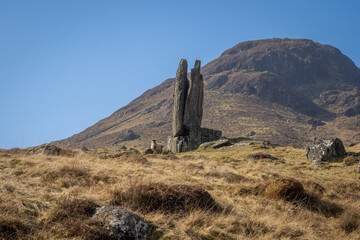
188, 143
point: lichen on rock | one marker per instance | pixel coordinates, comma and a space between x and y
123, 224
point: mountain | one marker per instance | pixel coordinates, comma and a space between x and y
286, 90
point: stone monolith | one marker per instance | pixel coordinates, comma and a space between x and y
180, 94
187, 133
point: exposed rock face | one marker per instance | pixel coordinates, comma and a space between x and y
188, 111
128, 136
122, 224
358, 168
315, 122
322, 150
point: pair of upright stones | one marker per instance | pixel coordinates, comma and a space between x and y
187, 133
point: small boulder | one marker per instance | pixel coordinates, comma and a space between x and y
123, 224
221, 143
265, 145
249, 134
322, 150
206, 145
84, 149
260, 155
123, 147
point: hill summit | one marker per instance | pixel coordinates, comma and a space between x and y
283, 90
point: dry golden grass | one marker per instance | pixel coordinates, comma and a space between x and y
51, 197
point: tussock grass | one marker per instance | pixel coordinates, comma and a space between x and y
349, 222
284, 189
161, 197
72, 218
46, 196
351, 160
12, 227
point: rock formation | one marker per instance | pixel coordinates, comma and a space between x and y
194, 100
123, 224
180, 94
323, 149
187, 133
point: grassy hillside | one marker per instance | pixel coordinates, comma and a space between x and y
46, 197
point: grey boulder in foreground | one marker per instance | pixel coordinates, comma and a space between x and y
322, 150
123, 224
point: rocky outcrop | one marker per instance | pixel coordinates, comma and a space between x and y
51, 150
187, 143
358, 168
322, 150
122, 224
127, 135
187, 133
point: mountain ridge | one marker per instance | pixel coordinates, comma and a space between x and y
273, 86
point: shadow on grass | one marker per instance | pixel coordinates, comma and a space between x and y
323, 207
291, 190
169, 199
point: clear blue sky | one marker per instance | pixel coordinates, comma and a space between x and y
66, 64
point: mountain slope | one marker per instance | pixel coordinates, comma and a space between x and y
286, 90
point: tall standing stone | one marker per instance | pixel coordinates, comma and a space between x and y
188, 110
194, 100
193, 108
180, 94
